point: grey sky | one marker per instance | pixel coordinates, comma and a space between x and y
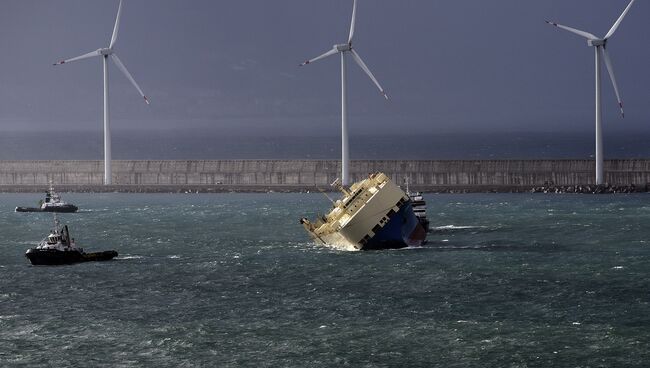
232, 65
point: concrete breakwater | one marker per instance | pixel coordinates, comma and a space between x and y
220, 175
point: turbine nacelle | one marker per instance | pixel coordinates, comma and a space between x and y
105, 52
596, 43
343, 47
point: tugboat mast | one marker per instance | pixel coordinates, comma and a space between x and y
57, 224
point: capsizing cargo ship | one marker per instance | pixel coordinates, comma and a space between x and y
373, 214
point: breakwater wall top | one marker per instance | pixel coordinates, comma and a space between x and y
422, 174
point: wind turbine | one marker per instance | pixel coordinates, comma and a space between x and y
600, 47
343, 49
105, 53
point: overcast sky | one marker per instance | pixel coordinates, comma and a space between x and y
232, 65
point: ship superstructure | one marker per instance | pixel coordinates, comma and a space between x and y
373, 214
419, 206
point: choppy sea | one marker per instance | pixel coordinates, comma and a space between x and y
232, 280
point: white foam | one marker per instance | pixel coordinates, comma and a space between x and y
414, 247
341, 247
457, 227
130, 257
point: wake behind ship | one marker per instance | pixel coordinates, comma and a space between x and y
373, 214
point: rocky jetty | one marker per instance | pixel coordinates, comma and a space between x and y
587, 189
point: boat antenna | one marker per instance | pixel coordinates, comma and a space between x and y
325, 194
56, 223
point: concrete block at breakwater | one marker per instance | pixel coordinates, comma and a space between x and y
283, 175
589, 189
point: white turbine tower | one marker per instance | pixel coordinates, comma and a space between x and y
343, 49
600, 47
105, 53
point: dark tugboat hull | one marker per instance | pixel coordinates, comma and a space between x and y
60, 209
56, 257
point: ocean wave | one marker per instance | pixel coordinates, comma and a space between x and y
453, 228
87, 210
463, 247
28, 243
340, 247
410, 248
130, 257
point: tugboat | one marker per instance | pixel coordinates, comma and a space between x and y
52, 203
59, 249
373, 214
419, 206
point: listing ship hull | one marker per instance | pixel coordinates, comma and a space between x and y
59, 209
50, 257
374, 214
402, 230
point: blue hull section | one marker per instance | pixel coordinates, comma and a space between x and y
402, 230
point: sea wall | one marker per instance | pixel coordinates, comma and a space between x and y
424, 174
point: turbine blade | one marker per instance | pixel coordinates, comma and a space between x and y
84, 56
116, 29
619, 20
610, 69
363, 66
584, 34
329, 53
121, 66
353, 23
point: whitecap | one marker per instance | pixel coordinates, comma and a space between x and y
456, 227
414, 247
130, 257
341, 247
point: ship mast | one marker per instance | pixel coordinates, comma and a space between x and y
57, 224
